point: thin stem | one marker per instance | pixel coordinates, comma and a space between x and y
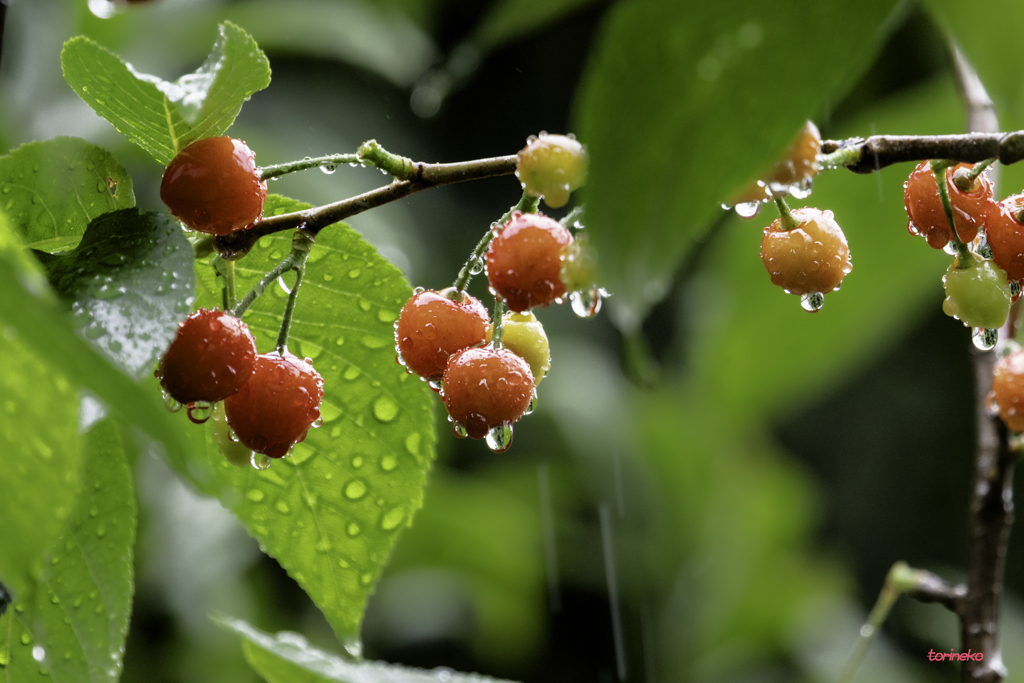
289, 310
571, 217
788, 220
527, 204
229, 285
964, 259
329, 160
238, 243
901, 578
301, 244
498, 328
399, 167
844, 156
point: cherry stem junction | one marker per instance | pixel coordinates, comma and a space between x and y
301, 244
964, 179
527, 204
964, 259
788, 220
329, 161
226, 270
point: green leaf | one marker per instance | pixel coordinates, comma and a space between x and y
75, 627
29, 310
39, 456
382, 41
53, 188
685, 102
511, 19
129, 284
330, 513
288, 658
160, 116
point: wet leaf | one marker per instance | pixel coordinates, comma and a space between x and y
50, 190
161, 116
129, 283
330, 513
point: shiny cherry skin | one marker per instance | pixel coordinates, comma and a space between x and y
1007, 392
1006, 236
812, 257
213, 186
524, 261
434, 325
924, 207
213, 354
486, 388
273, 410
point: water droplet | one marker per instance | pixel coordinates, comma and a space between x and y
255, 495
354, 273
533, 404
260, 461
170, 403
355, 489
385, 409
476, 267
329, 168
388, 463
101, 531
587, 305
985, 339
38, 653
282, 507
280, 283
748, 209
392, 518
318, 423
802, 189
812, 301
199, 412
459, 430
352, 529
950, 248
499, 439
26, 638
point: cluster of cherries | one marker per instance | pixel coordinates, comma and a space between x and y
487, 377
270, 400
486, 374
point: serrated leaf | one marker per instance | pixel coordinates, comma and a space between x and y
75, 619
330, 513
29, 310
161, 116
51, 189
685, 102
129, 284
288, 658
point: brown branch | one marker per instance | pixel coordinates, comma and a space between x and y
314, 220
992, 504
929, 587
878, 151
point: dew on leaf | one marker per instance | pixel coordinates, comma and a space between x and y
385, 409
357, 462
388, 463
282, 507
354, 273
255, 495
355, 489
352, 529
351, 373
372, 342
365, 305
392, 519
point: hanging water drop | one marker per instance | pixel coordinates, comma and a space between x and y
950, 248
747, 209
802, 189
985, 339
260, 461
171, 403
499, 439
459, 430
199, 412
282, 285
476, 267
587, 304
329, 168
812, 301
533, 404
318, 423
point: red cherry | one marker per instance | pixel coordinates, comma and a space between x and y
273, 410
432, 326
213, 186
486, 388
924, 207
1006, 236
211, 357
524, 261
1008, 390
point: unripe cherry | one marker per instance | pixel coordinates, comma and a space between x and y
1007, 394
552, 166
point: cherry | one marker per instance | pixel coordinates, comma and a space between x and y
524, 336
1006, 236
812, 257
924, 207
273, 410
524, 261
552, 166
213, 186
978, 295
486, 388
1007, 393
210, 358
434, 325
798, 164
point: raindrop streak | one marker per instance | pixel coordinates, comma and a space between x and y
260, 461
620, 497
985, 339
547, 521
499, 438
812, 301
613, 589
647, 636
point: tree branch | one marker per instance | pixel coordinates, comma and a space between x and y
992, 504
237, 244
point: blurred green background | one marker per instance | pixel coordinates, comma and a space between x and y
711, 491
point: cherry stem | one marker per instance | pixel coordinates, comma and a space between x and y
788, 220
226, 270
843, 156
527, 204
964, 181
571, 217
497, 326
964, 259
399, 167
301, 244
289, 309
329, 160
